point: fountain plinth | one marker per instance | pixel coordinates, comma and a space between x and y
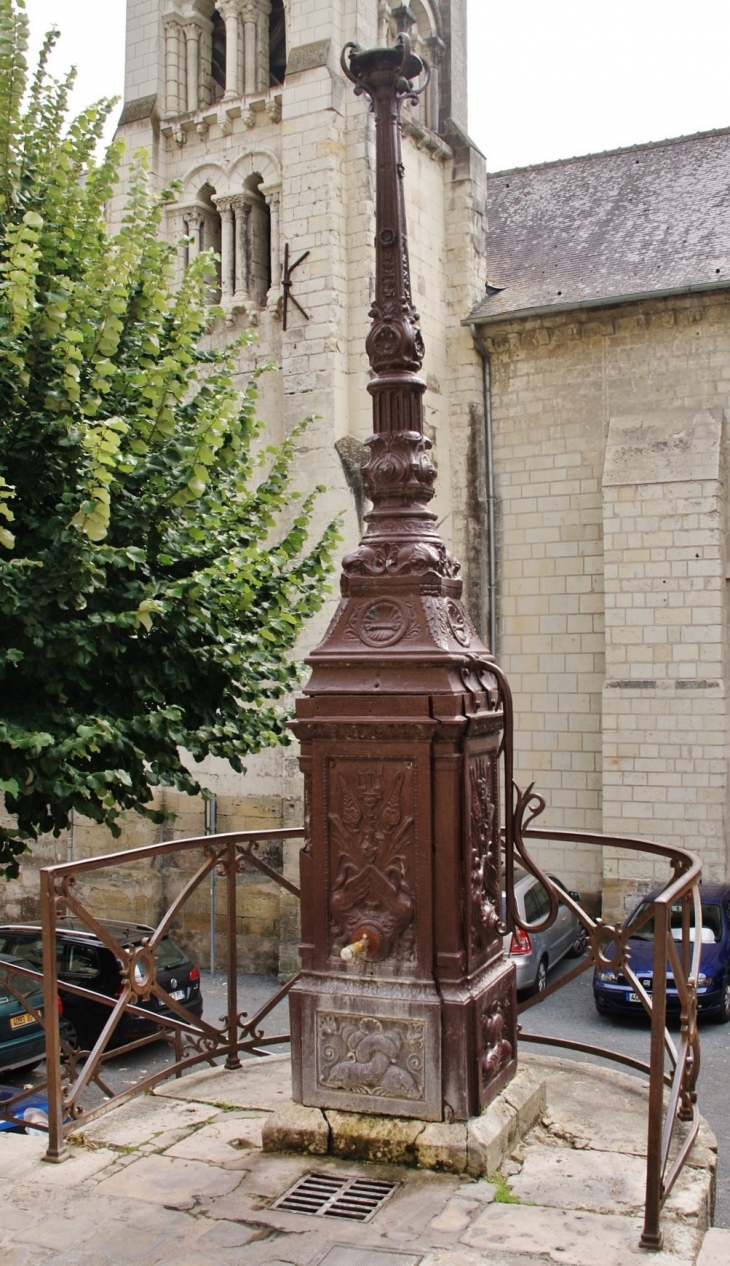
406, 1004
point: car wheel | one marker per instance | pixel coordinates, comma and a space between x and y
72, 1038
540, 984
578, 948
722, 1015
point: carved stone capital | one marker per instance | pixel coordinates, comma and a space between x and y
224, 202
228, 8
436, 49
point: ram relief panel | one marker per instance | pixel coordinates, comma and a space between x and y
371, 819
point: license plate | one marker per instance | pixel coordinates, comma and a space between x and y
634, 997
177, 995
17, 1021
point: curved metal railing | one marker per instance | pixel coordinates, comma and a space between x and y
673, 1066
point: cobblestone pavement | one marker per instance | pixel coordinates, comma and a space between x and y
178, 1178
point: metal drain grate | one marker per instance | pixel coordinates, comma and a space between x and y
345, 1255
332, 1196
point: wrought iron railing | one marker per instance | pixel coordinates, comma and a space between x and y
673, 1066
608, 950
192, 1041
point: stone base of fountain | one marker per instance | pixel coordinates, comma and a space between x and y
478, 1147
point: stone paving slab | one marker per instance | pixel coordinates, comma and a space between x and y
603, 1182
176, 1184
147, 1120
715, 1249
179, 1178
224, 1142
258, 1084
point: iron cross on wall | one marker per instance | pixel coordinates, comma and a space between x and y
286, 285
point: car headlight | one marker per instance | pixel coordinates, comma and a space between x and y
606, 977
702, 979
36, 1117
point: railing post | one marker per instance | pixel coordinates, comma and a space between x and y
231, 872
652, 1236
57, 1150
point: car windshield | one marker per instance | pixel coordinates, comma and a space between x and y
169, 955
711, 932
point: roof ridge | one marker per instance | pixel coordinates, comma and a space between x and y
608, 153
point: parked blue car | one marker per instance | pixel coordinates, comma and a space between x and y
613, 993
31, 1109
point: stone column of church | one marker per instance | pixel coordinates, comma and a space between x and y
192, 47
242, 215
435, 51
228, 250
273, 197
229, 11
194, 222
172, 69
205, 67
250, 23
263, 45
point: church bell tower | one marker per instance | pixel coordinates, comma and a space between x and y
245, 104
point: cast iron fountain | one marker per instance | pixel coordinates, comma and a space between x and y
406, 1003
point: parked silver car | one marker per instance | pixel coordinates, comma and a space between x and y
534, 953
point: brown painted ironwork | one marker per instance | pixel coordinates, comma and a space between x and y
286, 286
193, 1041
400, 731
671, 1125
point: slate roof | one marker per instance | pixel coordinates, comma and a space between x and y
617, 225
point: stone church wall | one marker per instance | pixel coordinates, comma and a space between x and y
612, 575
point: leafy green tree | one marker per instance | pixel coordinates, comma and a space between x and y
154, 574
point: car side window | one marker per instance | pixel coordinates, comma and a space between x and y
537, 903
83, 960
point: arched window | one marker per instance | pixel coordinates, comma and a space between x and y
277, 43
218, 60
210, 231
420, 18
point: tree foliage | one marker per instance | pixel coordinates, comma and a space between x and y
155, 573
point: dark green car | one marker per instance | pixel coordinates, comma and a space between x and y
22, 1038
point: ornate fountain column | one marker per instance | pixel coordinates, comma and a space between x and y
406, 1003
